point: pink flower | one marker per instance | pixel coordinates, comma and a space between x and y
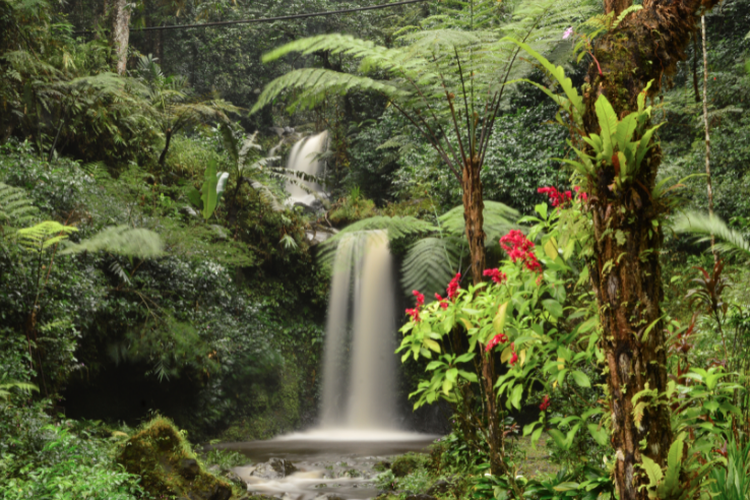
520, 248
414, 313
443, 302
453, 286
497, 339
496, 275
555, 197
419, 296
545, 403
567, 33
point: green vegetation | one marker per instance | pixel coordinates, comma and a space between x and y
157, 293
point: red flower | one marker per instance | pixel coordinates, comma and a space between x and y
497, 339
443, 302
580, 194
545, 403
520, 248
556, 197
419, 296
513, 359
496, 275
453, 286
414, 313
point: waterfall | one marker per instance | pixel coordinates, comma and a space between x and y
359, 382
303, 158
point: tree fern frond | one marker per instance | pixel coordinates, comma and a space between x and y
430, 263
121, 240
315, 82
268, 195
16, 208
396, 227
6, 385
118, 271
729, 241
43, 235
498, 220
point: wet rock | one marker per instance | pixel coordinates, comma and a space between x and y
274, 469
234, 478
440, 486
329, 496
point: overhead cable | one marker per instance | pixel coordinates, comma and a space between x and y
264, 19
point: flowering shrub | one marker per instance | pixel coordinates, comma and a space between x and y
514, 319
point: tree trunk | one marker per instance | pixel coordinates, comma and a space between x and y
625, 269
494, 427
121, 33
471, 185
163, 156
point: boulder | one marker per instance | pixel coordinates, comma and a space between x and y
274, 469
160, 456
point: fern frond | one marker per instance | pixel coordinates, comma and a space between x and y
498, 220
396, 227
121, 240
430, 263
118, 271
43, 235
315, 83
729, 241
6, 385
16, 208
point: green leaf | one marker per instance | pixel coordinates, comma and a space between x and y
600, 435
194, 196
607, 118
209, 195
498, 323
580, 378
644, 146
558, 73
515, 398
553, 306
653, 471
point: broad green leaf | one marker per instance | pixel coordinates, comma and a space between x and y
607, 118
580, 378
600, 435
553, 306
643, 147
653, 471
515, 398
208, 191
498, 323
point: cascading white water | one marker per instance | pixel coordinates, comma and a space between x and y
362, 282
304, 158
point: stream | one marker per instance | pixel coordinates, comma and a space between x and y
324, 464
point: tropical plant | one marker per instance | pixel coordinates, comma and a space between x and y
447, 77
6, 386
172, 105
207, 199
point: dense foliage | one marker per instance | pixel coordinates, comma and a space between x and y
149, 264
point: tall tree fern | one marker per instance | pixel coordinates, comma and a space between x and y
447, 76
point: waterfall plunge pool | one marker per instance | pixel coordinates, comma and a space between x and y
329, 463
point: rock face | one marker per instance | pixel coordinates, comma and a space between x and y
274, 468
159, 455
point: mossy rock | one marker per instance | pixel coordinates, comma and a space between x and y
168, 468
406, 464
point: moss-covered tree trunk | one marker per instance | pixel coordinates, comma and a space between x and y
625, 268
121, 32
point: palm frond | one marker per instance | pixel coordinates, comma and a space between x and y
729, 241
121, 240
